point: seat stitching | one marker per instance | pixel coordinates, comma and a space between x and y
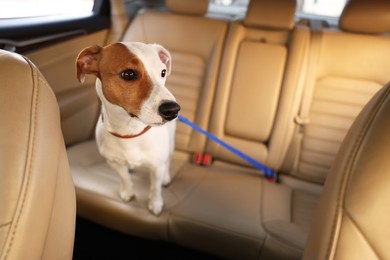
5, 224
30, 156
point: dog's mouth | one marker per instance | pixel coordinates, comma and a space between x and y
156, 123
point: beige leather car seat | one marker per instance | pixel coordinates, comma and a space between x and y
37, 196
234, 212
352, 216
261, 79
350, 66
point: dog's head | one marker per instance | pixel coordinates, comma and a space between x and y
133, 77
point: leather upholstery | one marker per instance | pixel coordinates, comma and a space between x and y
352, 215
262, 69
226, 209
278, 14
260, 76
350, 69
79, 104
37, 196
363, 16
188, 7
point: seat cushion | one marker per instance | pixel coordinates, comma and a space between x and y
97, 189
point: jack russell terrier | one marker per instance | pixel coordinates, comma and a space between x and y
136, 126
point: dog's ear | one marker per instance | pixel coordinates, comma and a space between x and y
87, 62
165, 56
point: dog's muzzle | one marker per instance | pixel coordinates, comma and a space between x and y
169, 110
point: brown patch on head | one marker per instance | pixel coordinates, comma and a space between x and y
128, 94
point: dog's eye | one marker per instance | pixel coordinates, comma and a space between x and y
163, 73
129, 74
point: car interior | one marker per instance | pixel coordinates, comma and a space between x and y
306, 97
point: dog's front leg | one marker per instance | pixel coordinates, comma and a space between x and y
156, 202
166, 175
126, 190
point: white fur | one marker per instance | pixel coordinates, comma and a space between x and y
154, 148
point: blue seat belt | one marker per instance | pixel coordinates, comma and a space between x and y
270, 174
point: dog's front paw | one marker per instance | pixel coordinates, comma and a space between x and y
126, 194
156, 206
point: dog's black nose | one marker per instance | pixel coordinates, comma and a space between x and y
169, 110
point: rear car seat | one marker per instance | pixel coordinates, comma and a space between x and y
235, 213
349, 70
195, 43
351, 65
227, 209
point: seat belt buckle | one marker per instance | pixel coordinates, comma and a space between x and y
274, 178
301, 122
202, 159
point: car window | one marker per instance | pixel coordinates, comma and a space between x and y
27, 25
329, 10
34, 8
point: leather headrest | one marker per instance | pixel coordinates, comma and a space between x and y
366, 16
274, 14
189, 7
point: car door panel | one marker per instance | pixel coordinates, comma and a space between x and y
57, 64
52, 43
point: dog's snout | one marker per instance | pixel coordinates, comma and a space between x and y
169, 110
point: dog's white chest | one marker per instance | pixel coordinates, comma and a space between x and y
152, 148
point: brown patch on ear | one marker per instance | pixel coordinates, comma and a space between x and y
129, 95
87, 62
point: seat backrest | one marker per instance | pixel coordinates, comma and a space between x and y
352, 215
37, 196
260, 81
352, 65
195, 43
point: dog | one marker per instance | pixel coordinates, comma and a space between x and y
137, 122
